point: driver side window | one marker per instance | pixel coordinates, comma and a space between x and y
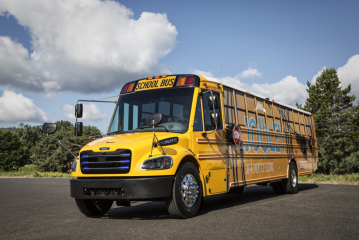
198, 124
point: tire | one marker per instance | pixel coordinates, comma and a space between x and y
290, 185
92, 207
236, 190
278, 187
184, 202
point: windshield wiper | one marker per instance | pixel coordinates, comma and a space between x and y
156, 126
115, 132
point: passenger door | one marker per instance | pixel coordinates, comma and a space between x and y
211, 147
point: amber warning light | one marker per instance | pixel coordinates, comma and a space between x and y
128, 87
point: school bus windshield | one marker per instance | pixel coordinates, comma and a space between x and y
132, 109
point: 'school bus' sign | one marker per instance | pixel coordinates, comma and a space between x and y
155, 83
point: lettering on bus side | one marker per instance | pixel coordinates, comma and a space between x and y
256, 145
259, 167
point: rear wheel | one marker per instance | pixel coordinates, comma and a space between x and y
290, 185
186, 193
92, 207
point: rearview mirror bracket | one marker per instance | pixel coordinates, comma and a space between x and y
214, 116
152, 121
50, 128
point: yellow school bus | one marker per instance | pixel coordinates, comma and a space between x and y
181, 138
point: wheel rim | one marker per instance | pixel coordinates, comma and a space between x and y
189, 190
294, 178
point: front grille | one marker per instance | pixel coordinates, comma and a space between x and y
103, 191
115, 162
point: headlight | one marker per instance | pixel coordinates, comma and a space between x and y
157, 163
74, 166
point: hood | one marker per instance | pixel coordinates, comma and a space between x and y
128, 141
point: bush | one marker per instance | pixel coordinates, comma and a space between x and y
29, 169
352, 178
351, 163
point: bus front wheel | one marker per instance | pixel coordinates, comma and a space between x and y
92, 207
186, 193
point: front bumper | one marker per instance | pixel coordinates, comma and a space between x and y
122, 188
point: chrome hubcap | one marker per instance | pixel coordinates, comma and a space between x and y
294, 178
189, 190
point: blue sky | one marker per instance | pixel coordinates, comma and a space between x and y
69, 50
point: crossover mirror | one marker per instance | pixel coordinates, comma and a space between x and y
78, 129
154, 119
78, 110
49, 128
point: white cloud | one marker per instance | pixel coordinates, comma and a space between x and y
249, 73
202, 73
349, 74
16, 108
83, 45
288, 90
90, 112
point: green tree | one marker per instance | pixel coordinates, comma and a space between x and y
334, 116
13, 154
28, 135
351, 163
49, 155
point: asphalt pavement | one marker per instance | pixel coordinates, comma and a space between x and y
33, 208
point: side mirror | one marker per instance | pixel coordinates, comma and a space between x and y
78, 129
78, 110
213, 102
214, 119
154, 119
49, 128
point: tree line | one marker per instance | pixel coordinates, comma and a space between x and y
29, 145
335, 115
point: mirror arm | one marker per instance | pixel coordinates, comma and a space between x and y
202, 93
59, 142
205, 134
157, 142
97, 100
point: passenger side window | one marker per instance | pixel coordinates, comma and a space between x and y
207, 112
198, 124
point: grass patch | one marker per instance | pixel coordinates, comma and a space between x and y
36, 174
345, 179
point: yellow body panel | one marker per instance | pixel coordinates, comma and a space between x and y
265, 155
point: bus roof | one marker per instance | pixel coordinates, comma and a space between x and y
254, 94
